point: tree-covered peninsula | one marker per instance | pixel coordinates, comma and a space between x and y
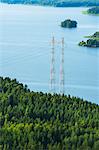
69, 24
37, 121
93, 11
93, 41
56, 3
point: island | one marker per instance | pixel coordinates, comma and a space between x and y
92, 11
69, 24
93, 41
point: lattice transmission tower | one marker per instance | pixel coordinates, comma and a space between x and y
62, 73
52, 67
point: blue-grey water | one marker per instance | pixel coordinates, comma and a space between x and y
25, 48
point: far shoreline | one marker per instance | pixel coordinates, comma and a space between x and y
51, 6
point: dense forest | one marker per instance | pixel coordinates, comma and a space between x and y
37, 121
56, 3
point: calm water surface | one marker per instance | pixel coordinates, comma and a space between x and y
25, 47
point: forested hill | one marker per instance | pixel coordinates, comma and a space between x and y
38, 121
57, 3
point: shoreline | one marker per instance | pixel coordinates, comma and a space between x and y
86, 13
27, 4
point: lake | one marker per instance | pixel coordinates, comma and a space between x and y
25, 48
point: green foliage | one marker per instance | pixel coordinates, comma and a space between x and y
69, 24
90, 43
82, 43
94, 36
35, 121
93, 41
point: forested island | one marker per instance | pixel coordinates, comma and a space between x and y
37, 121
93, 11
56, 3
69, 24
93, 41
